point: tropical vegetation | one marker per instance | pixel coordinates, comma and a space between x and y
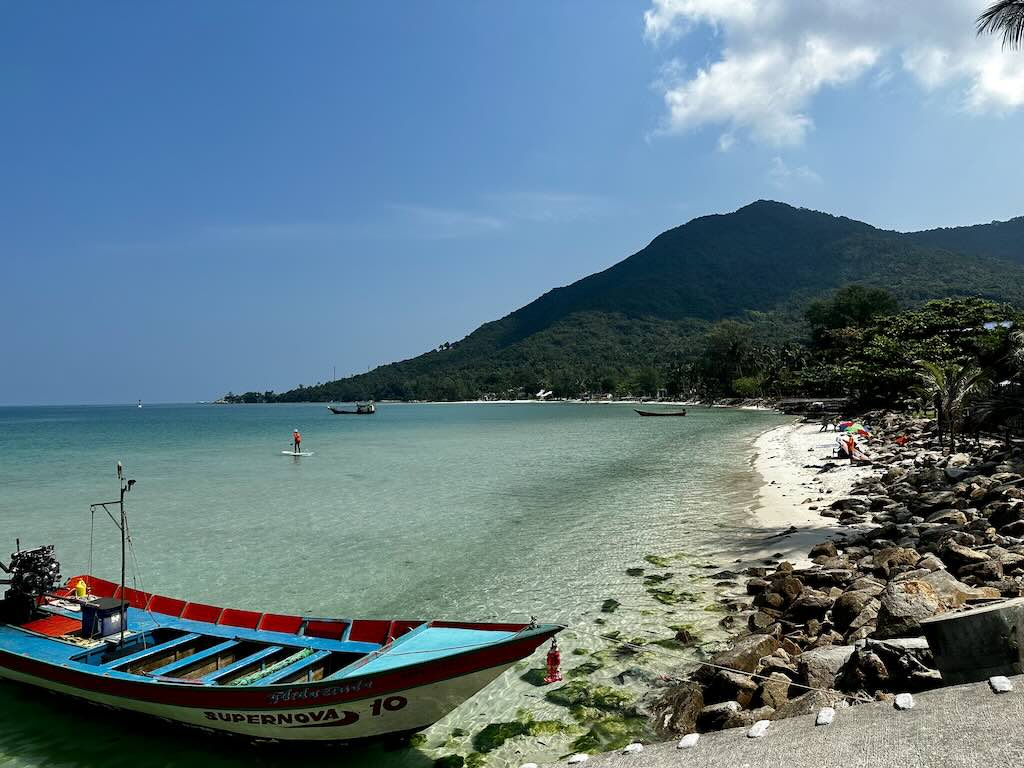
1005, 17
767, 301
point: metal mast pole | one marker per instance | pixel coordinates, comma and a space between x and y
123, 527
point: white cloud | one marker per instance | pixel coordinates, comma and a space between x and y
781, 175
776, 55
547, 206
429, 223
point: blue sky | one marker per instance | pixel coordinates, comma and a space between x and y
197, 197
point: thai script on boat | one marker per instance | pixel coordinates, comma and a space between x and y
313, 717
305, 694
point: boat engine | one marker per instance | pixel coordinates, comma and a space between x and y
31, 574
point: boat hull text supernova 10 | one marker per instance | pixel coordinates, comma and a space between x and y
260, 675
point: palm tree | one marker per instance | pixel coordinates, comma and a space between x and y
950, 388
1006, 17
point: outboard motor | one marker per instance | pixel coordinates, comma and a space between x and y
32, 574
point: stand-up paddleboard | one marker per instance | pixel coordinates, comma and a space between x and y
300, 453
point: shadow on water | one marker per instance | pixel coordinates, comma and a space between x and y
43, 728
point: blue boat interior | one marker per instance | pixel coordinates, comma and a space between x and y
165, 649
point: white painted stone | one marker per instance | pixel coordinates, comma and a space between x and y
1000, 684
630, 749
904, 701
579, 757
689, 741
758, 729
825, 716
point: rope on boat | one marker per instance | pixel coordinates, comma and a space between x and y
678, 656
136, 568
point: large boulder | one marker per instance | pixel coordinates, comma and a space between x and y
714, 716
953, 593
810, 605
775, 690
730, 686
1002, 513
904, 604
824, 549
849, 605
957, 555
743, 655
822, 667
947, 517
789, 587
892, 560
807, 704
677, 710
927, 502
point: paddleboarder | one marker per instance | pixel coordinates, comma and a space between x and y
297, 440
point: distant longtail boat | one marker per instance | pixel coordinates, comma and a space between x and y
362, 409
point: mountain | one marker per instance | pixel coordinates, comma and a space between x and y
761, 264
1000, 239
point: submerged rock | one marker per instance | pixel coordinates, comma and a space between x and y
579, 693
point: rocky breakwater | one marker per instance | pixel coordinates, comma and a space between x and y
928, 533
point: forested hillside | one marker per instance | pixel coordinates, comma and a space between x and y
640, 324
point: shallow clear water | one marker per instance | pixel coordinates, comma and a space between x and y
469, 511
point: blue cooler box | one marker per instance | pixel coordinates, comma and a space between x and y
102, 617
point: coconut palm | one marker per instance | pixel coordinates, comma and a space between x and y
950, 388
1004, 17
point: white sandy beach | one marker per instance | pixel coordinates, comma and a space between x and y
789, 459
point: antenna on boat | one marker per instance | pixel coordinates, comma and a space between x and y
126, 486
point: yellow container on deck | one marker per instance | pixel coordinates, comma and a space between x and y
81, 589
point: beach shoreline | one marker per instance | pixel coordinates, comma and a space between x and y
789, 459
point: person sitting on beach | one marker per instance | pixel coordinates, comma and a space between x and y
297, 439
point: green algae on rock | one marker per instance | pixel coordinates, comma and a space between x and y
580, 694
496, 734
587, 668
657, 578
610, 605
635, 571
659, 561
612, 732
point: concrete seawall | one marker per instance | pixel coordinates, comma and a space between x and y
964, 725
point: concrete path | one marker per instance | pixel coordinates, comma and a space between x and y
964, 725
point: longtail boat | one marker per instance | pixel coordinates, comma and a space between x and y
362, 409
264, 676
661, 413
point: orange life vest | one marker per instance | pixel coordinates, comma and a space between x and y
297, 436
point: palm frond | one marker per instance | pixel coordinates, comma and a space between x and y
1005, 17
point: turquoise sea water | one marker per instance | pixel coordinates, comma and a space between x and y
468, 511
